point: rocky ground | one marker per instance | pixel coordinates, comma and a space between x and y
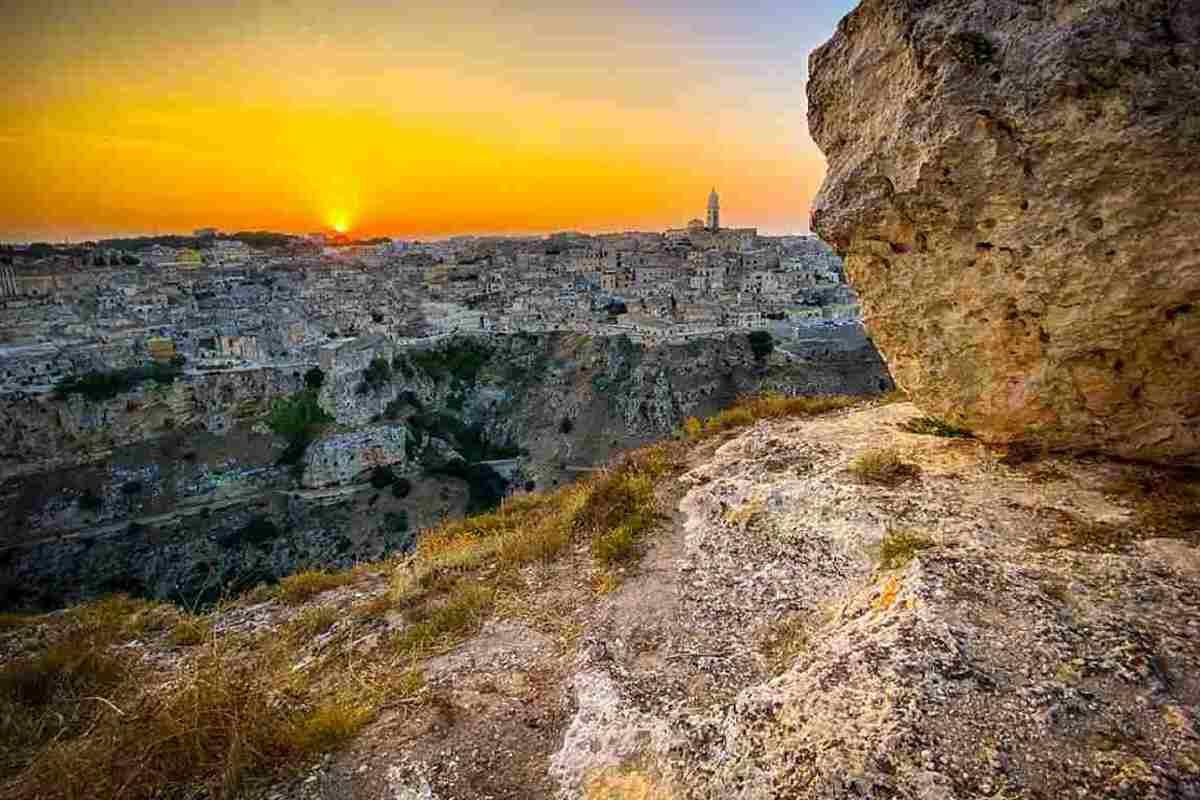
980, 628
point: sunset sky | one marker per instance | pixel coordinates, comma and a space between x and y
408, 119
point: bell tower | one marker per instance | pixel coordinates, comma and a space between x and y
714, 211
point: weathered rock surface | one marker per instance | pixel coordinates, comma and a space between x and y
345, 457
1041, 641
1014, 185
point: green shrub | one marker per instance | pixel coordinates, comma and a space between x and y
258, 530
314, 379
90, 501
298, 415
107, 385
396, 521
761, 344
460, 358
971, 47
485, 487
382, 477
377, 373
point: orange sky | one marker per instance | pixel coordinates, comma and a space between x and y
397, 119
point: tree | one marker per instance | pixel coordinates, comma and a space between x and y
761, 344
314, 379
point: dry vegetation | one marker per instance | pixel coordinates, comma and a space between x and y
84, 715
749, 410
313, 621
302, 586
899, 545
884, 467
190, 631
453, 580
932, 426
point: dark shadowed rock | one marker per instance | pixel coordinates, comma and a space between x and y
1015, 187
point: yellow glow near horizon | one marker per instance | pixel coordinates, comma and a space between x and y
437, 122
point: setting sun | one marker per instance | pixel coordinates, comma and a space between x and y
340, 223
445, 119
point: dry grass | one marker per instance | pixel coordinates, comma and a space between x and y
331, 723
932, 426
431, 629
10, 622
624, 785
302, 586
190, 630
883, 466
313, 621
452, 581
900, 545
85, 718
374, 608
121, 617
750, 409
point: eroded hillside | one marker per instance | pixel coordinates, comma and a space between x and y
785, 605
190, 491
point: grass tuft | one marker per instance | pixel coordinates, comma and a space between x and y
900, 545
10, 622
750, 409
932, 426
295, 589
444, 624
190, 630
313, 621
883, 466
330, 724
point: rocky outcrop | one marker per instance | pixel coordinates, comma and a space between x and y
344, 457
41, 432
976, 631
1014, 187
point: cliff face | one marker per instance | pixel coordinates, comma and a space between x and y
1013, 186
570, 400
42, 432
173, 510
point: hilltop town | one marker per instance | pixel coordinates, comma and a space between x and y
225, 301
196, 389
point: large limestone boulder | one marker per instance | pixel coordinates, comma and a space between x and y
1015, 187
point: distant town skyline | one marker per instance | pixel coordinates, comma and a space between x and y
488, 118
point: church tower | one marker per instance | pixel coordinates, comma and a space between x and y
714, 211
